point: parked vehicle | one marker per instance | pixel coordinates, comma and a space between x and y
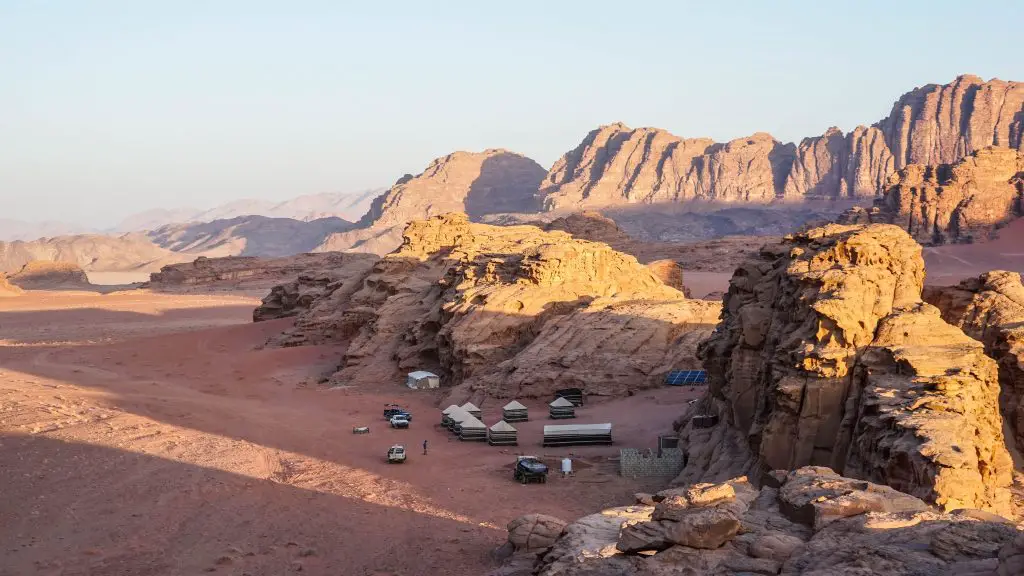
399, 421
394, 410
530, 469
396, 454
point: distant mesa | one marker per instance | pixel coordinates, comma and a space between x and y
247, 236
43, 275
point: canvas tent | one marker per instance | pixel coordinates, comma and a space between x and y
561, 408
502, 434
472, 430
446, 413
472, 409
456, 416
577, 434
514, 412
422, 379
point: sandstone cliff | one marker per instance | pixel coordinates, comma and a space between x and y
252, 271
505, 311
492, 181
808, 522
935, 124
247, 236
91, 252
951, 203
826, 355
991, 309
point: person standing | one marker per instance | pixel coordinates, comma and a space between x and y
424, 447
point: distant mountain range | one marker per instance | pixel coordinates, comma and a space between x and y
655, 185
347, 206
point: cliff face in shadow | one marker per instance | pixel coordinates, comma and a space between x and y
488, 182
934, 124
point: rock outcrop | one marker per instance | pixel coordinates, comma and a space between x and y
329, 273
826, 355
951, 203
254, 272
6, 288
43, 275
247, 236
90, 252
990, 309
507, 311
935, 124
811, 522
492, 181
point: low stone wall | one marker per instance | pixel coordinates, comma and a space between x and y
636, 463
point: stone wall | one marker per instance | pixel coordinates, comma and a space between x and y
636, 463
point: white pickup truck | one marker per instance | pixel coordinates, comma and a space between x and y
399, 421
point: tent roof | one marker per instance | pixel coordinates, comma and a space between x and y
422, 374
472, 422
560, 403
470, 407
503, 427
459, 415
449, 409
513, 405
581, 428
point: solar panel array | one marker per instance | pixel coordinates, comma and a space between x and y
686, 377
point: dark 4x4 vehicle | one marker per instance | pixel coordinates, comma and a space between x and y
393, 410
530, 469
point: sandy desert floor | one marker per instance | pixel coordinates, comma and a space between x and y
150, 434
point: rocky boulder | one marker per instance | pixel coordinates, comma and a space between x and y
950, 203
534, 532
827, 356
815, 522
990, 309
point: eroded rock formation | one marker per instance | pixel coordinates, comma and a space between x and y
811, 521
951, 203
45, 275
935, 124
506, 311
826, 355
6, 288
479, 183
990, 309
255, 271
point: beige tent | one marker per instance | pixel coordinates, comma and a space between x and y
472, 409
472, 429
561, 408
514, 412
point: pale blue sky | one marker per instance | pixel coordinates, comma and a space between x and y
111, 107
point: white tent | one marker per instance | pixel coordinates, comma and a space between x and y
577, 434
561, 403
449, 409
472, 429
513, 405
473, 423
422, 379
515, 412
503, 426
458, 414
472, 409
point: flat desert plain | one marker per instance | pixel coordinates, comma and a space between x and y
153, 434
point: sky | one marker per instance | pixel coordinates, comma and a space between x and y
112, 107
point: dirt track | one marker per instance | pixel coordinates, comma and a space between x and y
149, 434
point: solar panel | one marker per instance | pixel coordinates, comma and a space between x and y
686, 377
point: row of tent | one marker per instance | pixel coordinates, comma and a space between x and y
464, 422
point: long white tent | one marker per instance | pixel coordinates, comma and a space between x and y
577, 434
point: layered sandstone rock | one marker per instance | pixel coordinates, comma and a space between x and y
812, 522
827, 356
44, 275
506, 311
950, 203
476, 183
990, 309
935, 124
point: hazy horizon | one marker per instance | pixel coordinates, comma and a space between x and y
112, 108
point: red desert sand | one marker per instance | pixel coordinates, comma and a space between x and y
145, 433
